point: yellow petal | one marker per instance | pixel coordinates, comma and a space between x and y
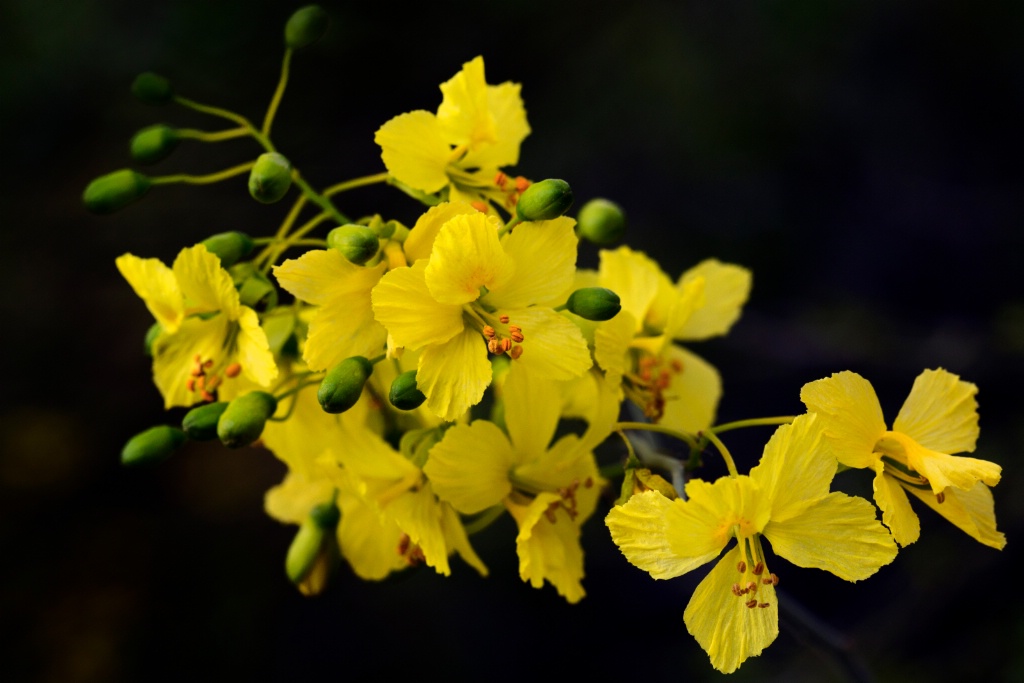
506, 107
663, 537
174, 354
896, 511
851, 416
368, 541
686, 300
549, 550
533, 406
253, 350
553, 347
943, 471
467, 256
464, 116
726, 288
456, 539
691, 399
292, 499
837, 533
795, 469
207, 287
469, 467
545, 256
418, 514
301, 439
725, 627
454, 375
403, 304
421, 237
414, 150
973, 511
611, 345
634, 277
156, 285
940, 413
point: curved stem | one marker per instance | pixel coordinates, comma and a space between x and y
218, 136
355, 182
204, 179
319, 199
483, 520
755, 422
648, 427
268, 120
726, 455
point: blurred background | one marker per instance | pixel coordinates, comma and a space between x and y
862, 158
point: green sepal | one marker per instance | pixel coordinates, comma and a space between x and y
326, 515
200, 423
305, 26
114, 191
594, 303
601, 221
544, 200
255, 290
404, 394
153, 445
152, 88
415, 444
153, 144
343, 384
357, 243
270, 178
230, 247
303, 551
151, 334
242, 422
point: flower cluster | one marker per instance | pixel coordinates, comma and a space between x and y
420, 382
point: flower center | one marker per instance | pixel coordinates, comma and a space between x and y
753, 573
501, 335
648, 385
894, 447
203, 378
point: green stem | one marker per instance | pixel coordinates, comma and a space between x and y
274, 253
484, 519
726, 455
508, 226
647, 426
755, 422
204, 179
319, 199
218, 136
278, 93
356, 182
311, 242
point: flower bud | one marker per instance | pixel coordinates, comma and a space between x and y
357, 243
404, 393
153, 445
152, 88
314, 553
200, 423
306, 26
304, 551
114, 191
243, 420
544, 200
343, 384
270, 178
594, 303
229, 247
151, 334
154, 143
325, 515
601, 221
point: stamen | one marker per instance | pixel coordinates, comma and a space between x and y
762, 605
741, 566
516, 352
516, 335
479, 206
503, 319
489, 332
190, 384
494, 346
736, 590
233, 370
758, 568
940, 497
751, 603
521, 184
506, 345
500, 179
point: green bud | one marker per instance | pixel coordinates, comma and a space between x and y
270, 178
254, 289
153, 445
357, 243
115, 191
304, 551
153, 89
200, 423
343, 384
151, 334
544, 200
229, 247
306, 26
154, 143
243, 420
404, 393
325, 515
601, 221
594, 303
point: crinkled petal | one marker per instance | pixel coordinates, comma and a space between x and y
467, 256
795, 469
726, 288
454, 375
421, 238
552, 347
634, 277
851, 416
470, 466
545, 256
664, 538
464, 115
896, 511
691, 399
156, 285
414, 150
533, 405
253, 350
418, 514
206, 286
973, 511
723, 625
506, 107
456, 539
549, 551
838, 533
942, 470
940, 413
403, 304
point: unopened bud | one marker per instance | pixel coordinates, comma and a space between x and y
357, 243
306, 26
229, 247
343, 385
601, 221
115, 191
200, 423
270, 178
153, 445
151, 334
152, 88
154, 143
304, 551
243, 420
325, 515
404, 393
594, 303
544, 200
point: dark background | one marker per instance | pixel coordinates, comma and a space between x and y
863, 158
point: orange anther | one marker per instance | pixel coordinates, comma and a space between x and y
762, 605
494, 346
741, 566
758, 568
213, 383
940, 497
516, 352
479, 206
677, 365
207, 396
521, 184
190, 384
506, 345
500, 179
503, 319
751, 603
208, 364
736, 590
517, 337
233, 370
489, 332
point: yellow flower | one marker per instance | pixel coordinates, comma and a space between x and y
939, 417
550, 489
207, 336
477, 129
733, 614
477, 294
672, 385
